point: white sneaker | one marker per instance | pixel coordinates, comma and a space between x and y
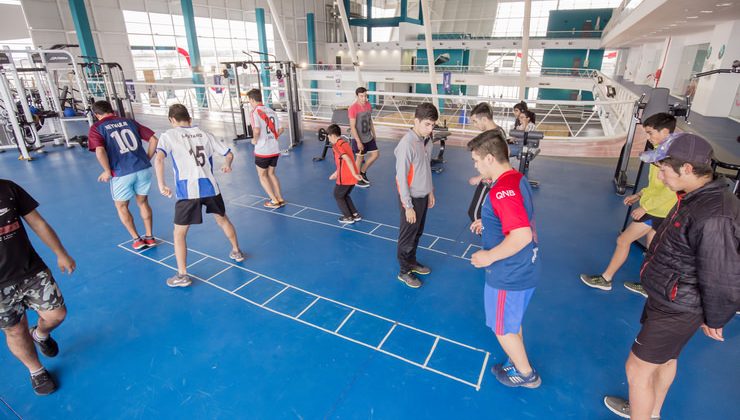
179, 280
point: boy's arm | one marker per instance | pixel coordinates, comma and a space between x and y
514, 242
153, 141
403, 164
226, 168
102, 157
159, 171
50, 238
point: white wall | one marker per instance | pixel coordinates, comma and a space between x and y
14, 24
715, 94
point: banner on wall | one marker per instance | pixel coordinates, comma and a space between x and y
447, 82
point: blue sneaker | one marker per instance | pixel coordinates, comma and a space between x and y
506, 366
512, 377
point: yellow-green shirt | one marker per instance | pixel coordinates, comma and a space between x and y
656, 198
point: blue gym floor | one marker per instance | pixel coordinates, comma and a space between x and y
272, 337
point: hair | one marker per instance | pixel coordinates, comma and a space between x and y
334, 130
360, 90
491, 142
521, 106
426, 111
102, 108
255, 95
179, 113
531, 115
483, 109
660, 121
698, 169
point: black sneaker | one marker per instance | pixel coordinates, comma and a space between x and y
363, 184
422, 270
410, 280
364, 177
597, 282
357, 217
48, 347
346, 220
636, 288
43, 383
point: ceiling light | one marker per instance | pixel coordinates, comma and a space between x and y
705, 11
692, 17
673, 24
724, 4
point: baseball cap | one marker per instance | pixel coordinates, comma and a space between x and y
687, 147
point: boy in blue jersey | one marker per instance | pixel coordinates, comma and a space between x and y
117, 143
191, 150
509, 255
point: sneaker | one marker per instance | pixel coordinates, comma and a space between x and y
237, 256
272, 204
357, 217
138, 244
409, 279
346, 220
421, 269
179, 280
363, 184
635, 287
621, 407
150, 241
597, 282
43, 383
506, 366
364, 177
512, 378
48, 347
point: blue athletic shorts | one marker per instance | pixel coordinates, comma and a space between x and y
505, 309
123, 188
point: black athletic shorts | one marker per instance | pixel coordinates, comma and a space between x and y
188, 212
664, 332
370, 146
650, 220
264, 162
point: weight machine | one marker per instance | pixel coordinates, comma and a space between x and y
530, 149
283, 70
106, 80
31, 99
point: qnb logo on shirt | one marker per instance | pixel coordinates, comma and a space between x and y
504, 194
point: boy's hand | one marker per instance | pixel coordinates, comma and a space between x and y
713, 333
165, 191
411, 216
632, 199
333, 176
475, 180
432, 201
358, 177
481, 259
105, 176
638, 213
226, 169
477, 226
66, 263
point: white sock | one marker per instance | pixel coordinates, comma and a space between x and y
38, 372
37, 336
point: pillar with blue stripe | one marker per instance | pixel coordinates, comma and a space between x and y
311, 37
194, 51
262, 39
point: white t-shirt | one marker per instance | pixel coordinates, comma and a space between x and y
267, 144
192, 150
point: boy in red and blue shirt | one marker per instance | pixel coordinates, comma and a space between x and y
346, 175
118, 145
509, 255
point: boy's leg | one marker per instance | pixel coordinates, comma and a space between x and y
340, 195
634, 231
146, 213
371, 158
225, 224
264, 178
641, 377
181, 248
407, 233
650, 237
663, 379
275, 183
349, 201
513, 345
420, 207
21, 344
126, 218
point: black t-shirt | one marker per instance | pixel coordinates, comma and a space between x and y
18, 259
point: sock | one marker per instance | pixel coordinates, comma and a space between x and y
38, 372
37, 336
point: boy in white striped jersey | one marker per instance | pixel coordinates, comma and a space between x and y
191, 150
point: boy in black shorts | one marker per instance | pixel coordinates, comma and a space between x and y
26, 283
191, 150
